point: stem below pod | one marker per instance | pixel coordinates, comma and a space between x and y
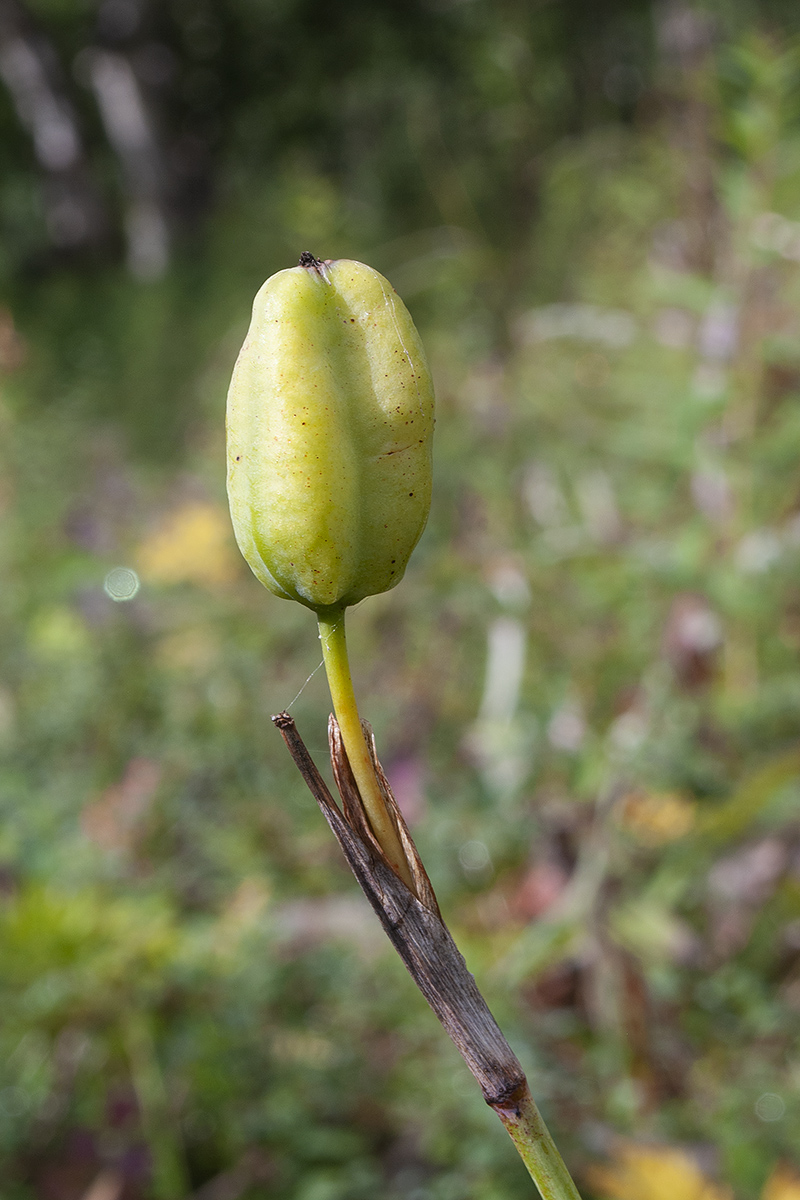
536, 1147
337, 667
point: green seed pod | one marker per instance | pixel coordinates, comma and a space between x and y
330, 423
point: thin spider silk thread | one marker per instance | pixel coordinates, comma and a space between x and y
305, 685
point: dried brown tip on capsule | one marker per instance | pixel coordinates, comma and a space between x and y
312, 263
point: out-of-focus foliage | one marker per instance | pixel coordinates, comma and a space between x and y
586, 690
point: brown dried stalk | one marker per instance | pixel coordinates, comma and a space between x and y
413, 923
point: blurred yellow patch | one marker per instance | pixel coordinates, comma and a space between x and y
242, 913
247, 904
192, 544
656, 817
783, 1184
655, 1173
57, 633
192, 649
650, 930
664, 1173
306, 1048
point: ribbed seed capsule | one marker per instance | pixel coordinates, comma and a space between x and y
330, 423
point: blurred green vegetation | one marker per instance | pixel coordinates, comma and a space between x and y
585, 691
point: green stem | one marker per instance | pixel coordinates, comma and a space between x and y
337, 667
536, 1148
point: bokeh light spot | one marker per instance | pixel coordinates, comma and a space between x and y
474, 856
121, 584
770, 1107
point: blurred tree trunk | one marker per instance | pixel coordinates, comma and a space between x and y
29, 67
133, 136
686, 40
